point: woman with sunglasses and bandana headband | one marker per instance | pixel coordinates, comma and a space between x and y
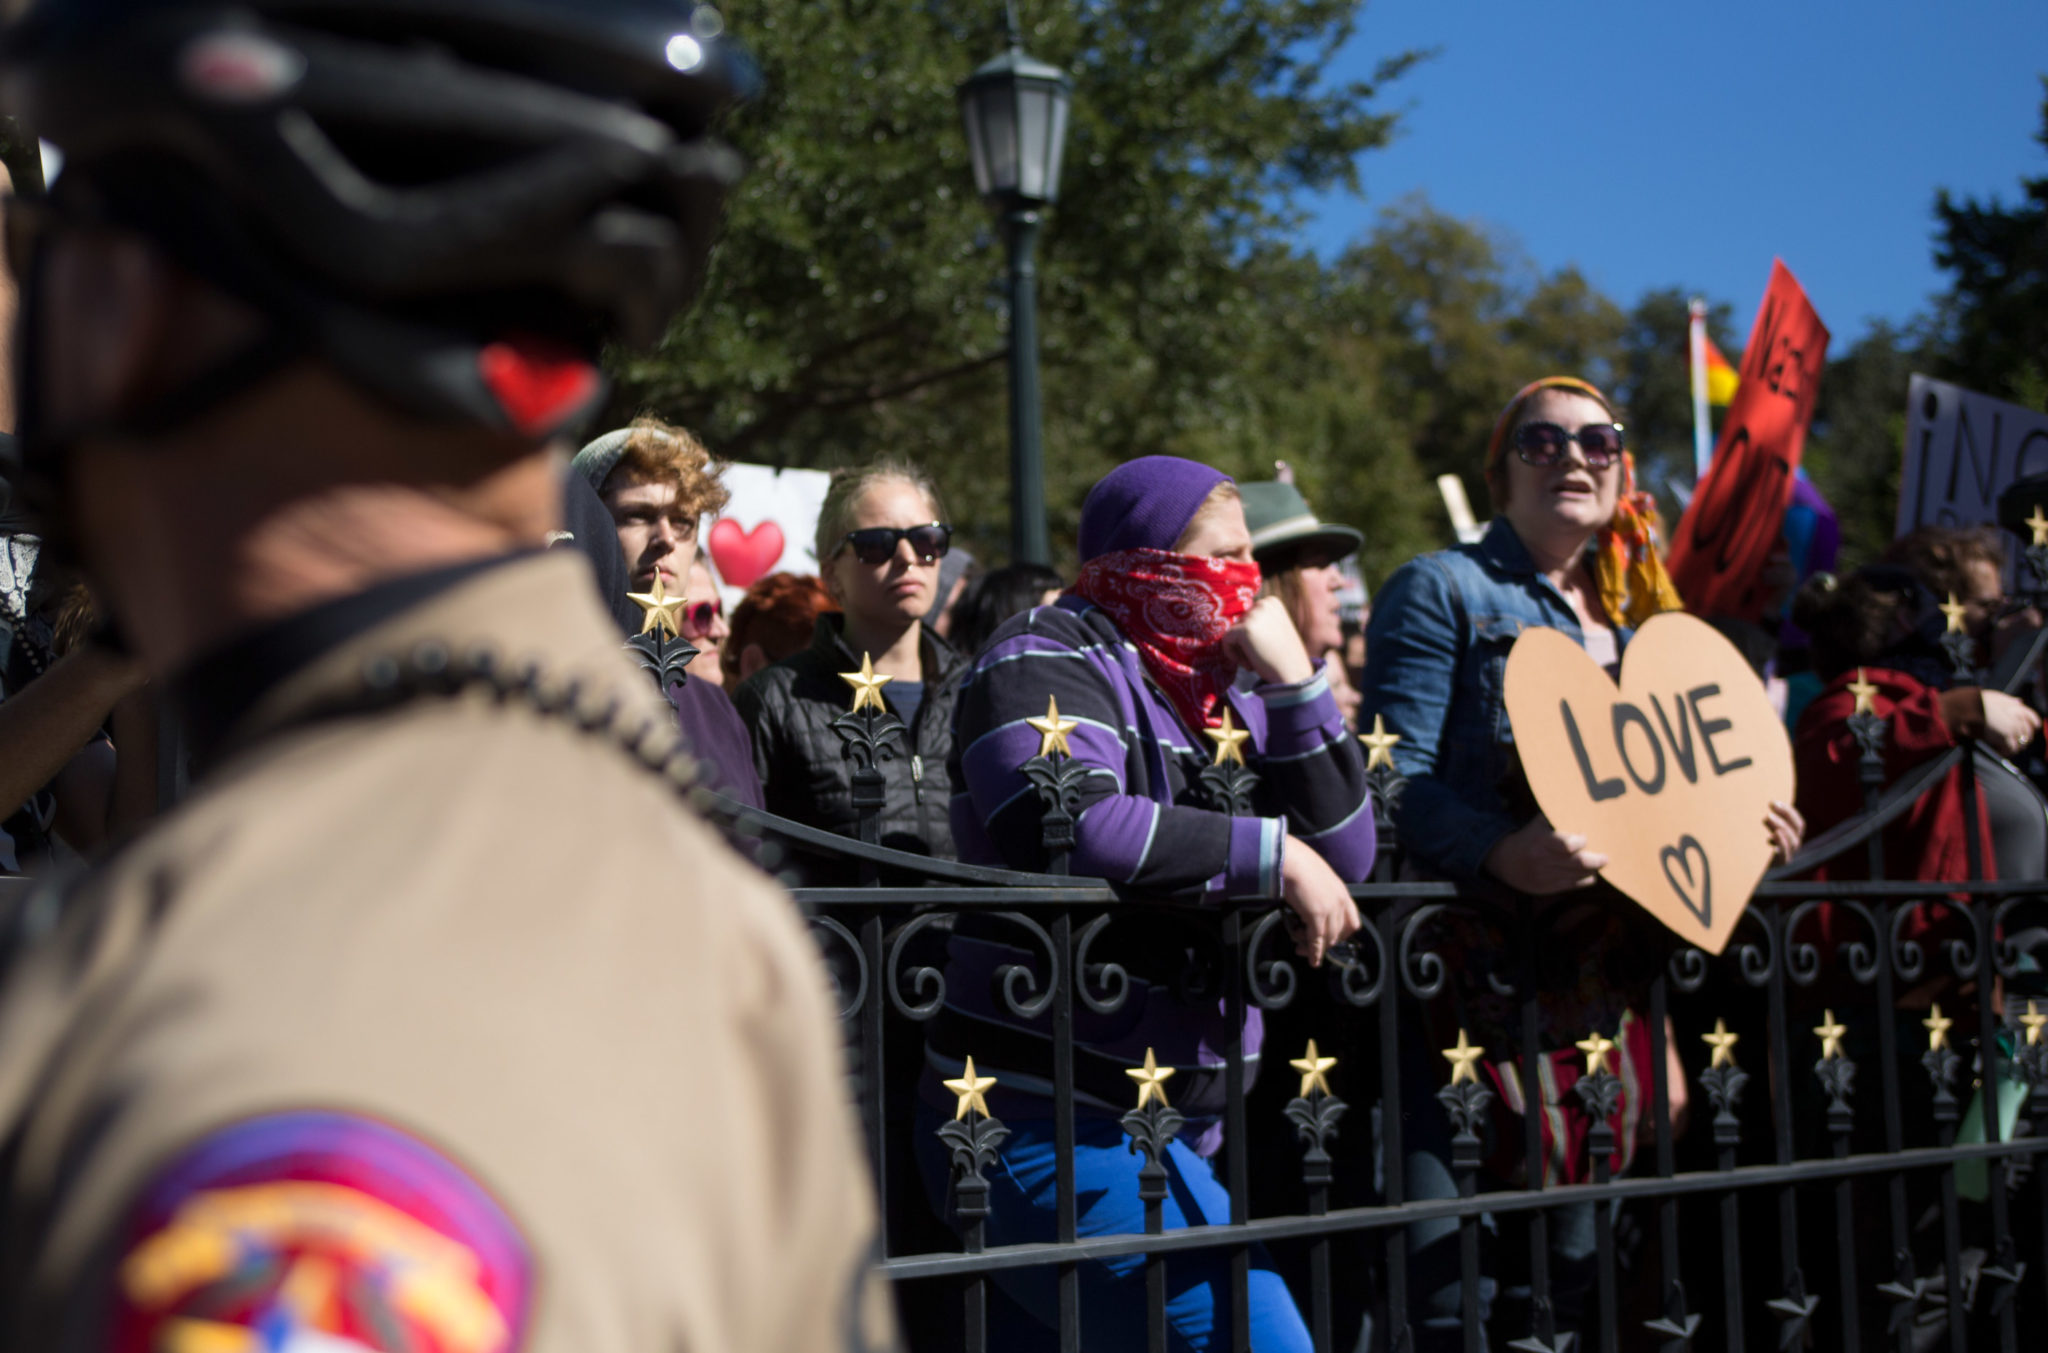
1573, 547
1142, 655
881, 535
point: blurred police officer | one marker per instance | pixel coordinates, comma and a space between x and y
431, 1020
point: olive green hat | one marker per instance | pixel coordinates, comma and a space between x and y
1286, 534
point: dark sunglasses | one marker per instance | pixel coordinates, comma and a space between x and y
1542, 444
877, 544
697, 618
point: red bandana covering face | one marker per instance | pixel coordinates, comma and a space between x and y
1176, 608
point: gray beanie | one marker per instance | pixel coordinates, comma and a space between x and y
596, 461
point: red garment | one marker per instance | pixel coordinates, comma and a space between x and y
1175, 609
1928, 840
1567, 1125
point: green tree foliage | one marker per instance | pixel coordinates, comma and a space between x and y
1995, 316
1443, 321
856, 301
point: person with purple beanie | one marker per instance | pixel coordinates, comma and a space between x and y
1142, 655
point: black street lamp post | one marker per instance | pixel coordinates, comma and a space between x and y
1015, 108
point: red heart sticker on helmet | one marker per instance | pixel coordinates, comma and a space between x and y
744, 557
539, 385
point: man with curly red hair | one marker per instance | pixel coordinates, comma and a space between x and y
659, 482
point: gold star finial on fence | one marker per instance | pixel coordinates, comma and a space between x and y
970, 1089
1596, 1049
1151, 1079
1053, 730
1229, 739
1314, 1069
1830, 1033
1379, 744
659, 609
2033, 1019
1865, 691
1464, 1059
2038, 524
1955, 611
1937, 1026
867, 687
1722, 1042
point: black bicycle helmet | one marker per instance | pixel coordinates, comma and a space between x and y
455, 201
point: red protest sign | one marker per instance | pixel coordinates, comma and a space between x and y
1727, 534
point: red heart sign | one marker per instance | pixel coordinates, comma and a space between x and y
537, 384
744, 557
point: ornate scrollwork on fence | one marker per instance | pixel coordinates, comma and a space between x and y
1909, 960
2016, 946
1270, 983
1422, 970
1011, 976
1688, 969
1756, 962
1354, 979
920, 978
1111, 978
1962, 952
842, 939
1803, 958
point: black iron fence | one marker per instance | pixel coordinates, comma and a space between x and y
1827, 1136
1831, 1140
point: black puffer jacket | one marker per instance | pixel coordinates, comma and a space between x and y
805, 776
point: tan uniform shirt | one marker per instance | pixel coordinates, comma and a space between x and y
491, 930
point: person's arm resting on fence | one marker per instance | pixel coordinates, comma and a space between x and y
1315, 771
1123, 837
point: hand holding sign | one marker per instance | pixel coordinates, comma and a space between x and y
1670, 776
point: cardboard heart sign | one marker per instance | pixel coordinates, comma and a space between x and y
744, 557
1669, 777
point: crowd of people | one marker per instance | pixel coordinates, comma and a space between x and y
1207, 613
1207, 623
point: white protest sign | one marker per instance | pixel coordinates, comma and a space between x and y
1962, 450
767, 527
1468, 527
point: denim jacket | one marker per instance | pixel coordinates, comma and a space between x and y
1436, 664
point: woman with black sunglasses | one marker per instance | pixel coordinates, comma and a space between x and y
1573, 547
881, 535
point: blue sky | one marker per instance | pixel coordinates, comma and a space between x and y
1684, 144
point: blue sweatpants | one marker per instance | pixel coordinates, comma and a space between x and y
1022, 1193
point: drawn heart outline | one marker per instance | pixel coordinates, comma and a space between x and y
745, 557
1681, 855
1685, 745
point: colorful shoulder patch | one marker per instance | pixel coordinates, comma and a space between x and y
319, 1233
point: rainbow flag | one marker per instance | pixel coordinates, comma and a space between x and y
1721, 378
